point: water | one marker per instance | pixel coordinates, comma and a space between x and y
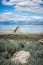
23, 28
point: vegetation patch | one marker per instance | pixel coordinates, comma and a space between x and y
9, 47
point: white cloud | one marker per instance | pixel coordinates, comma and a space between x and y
8, 16
5, 16
11, 2
32, 6
8, 13
26, 5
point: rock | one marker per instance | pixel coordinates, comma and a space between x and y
28, 42
41, 41
21, 57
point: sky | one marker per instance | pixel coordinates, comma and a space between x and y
21, 11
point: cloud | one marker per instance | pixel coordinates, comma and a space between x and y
9, 16
7, 13
5, 16
32, 6
26, 5
11, 2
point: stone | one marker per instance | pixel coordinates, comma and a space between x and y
21, 57
41, 41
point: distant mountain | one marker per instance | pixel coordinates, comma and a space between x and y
21, 23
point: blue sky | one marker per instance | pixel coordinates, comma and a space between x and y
21, 10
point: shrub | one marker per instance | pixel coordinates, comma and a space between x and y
8, 47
